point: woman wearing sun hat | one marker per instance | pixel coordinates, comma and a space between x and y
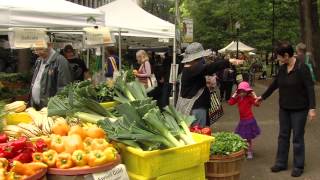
194, 96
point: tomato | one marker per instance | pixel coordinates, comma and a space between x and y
206, 131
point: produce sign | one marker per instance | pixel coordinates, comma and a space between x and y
117, 173
227, 143
98, 36
28, 38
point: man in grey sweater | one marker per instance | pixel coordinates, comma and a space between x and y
51, 74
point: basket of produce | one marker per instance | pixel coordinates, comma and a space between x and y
152, 164
16, 159
227, 154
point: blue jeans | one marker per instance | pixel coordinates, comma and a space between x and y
291, 121
201, 117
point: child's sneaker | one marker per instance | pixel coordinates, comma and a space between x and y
249, 155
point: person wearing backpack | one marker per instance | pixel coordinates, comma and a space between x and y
112, 63
304, 56
297, 102
226, 81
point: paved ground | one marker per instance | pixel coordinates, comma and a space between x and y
266, 144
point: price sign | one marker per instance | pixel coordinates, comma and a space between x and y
97, 36
117, 173
28, 38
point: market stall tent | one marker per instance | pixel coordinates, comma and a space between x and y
233, 47
47, 14
127, 16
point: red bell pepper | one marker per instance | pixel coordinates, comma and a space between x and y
12, 148
41, 145
3, 138
206, 131
25, 156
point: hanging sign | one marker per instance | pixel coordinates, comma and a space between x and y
28, 38
117, 173
97, 36
187, 30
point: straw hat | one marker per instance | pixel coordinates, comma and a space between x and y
195, 51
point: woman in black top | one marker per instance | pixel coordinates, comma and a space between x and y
297, 101
194, 96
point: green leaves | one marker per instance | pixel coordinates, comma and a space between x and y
227, 143
214, 21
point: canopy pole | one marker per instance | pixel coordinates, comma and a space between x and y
103, 61
174, 62
88, 58
174, 77
120, 55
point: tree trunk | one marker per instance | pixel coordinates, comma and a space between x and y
302, 20
316, 36
309, 24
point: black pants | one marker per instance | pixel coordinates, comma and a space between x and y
295, 121
226, 89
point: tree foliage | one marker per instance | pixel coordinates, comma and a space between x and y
214, 20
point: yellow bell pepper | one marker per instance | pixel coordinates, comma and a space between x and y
57, 143
3, 173
37, 157
50, 157
111, 154
79, 158
87, 144
99, 144
64, 161
97, 158
4, 163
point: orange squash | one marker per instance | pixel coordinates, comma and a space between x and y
95, 132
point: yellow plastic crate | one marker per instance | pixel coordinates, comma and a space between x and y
151, 164
194, 173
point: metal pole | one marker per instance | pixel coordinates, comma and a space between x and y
273, 29
174, 63
237, 43
103, 61
120, 55
88, 58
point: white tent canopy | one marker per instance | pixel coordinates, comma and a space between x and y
233, 47
47, 14
126, 15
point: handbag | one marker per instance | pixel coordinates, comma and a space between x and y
152, 81
216, 110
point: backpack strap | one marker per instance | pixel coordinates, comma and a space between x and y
113, 63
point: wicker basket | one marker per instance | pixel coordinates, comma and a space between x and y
225, 167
